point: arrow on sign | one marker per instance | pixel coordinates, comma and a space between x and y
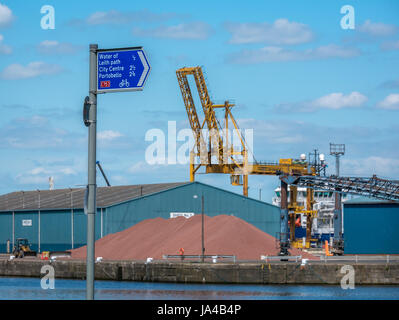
146, 68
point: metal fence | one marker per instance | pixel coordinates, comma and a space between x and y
357, 258
214, 258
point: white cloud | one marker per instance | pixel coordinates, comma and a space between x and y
274, 139
55, 47
67, 171
119, 180
278, 54
4, 49
142, 167
332, 51
108, 135
38, 170
192, 30
336, 100
280, 32
40, 175
6, 16
116, 17
383, 167
31, 179
37, 132
273, 132
391, 102
34, 121
340, 100
390, 45
111, 139
377, 29
139, 167
31, 70
102, 17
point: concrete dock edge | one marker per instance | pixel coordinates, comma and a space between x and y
231, 273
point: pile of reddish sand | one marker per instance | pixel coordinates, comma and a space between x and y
224, 235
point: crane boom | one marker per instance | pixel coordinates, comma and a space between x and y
209, 111
191, 111
370, 187
229, 161
215, 138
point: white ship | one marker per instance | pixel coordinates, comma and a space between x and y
323, 224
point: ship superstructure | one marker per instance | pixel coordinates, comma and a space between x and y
323, 223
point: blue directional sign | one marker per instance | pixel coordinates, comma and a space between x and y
124, 69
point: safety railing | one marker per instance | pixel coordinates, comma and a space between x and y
357, 258
281, 258
214, 258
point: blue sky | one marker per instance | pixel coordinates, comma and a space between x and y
298, 79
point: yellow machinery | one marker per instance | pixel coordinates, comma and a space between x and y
294, 210
228, 160
217, 154
22, 248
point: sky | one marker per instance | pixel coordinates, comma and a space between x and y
300, 79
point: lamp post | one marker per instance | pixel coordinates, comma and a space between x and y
202, 227
337, 150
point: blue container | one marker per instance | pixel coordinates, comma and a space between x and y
371, 227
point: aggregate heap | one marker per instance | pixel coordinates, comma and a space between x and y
223, 234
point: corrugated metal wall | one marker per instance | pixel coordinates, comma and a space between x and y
56, 232
55, 229
371, 228
216, 201
6, 227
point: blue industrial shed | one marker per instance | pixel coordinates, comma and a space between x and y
55, 220
371, 226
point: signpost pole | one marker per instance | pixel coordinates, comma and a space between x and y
91, 203
118, 69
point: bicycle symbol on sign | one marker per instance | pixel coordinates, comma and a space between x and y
124, 83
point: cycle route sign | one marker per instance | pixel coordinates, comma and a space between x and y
124, 69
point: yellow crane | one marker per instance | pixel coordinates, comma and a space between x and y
219, 144
214, 149
228, 160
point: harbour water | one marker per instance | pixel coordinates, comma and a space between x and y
30, 289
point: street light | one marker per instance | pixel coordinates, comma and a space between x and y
337, 150
202, 226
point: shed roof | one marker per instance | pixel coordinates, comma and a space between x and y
74, 197
367, 200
